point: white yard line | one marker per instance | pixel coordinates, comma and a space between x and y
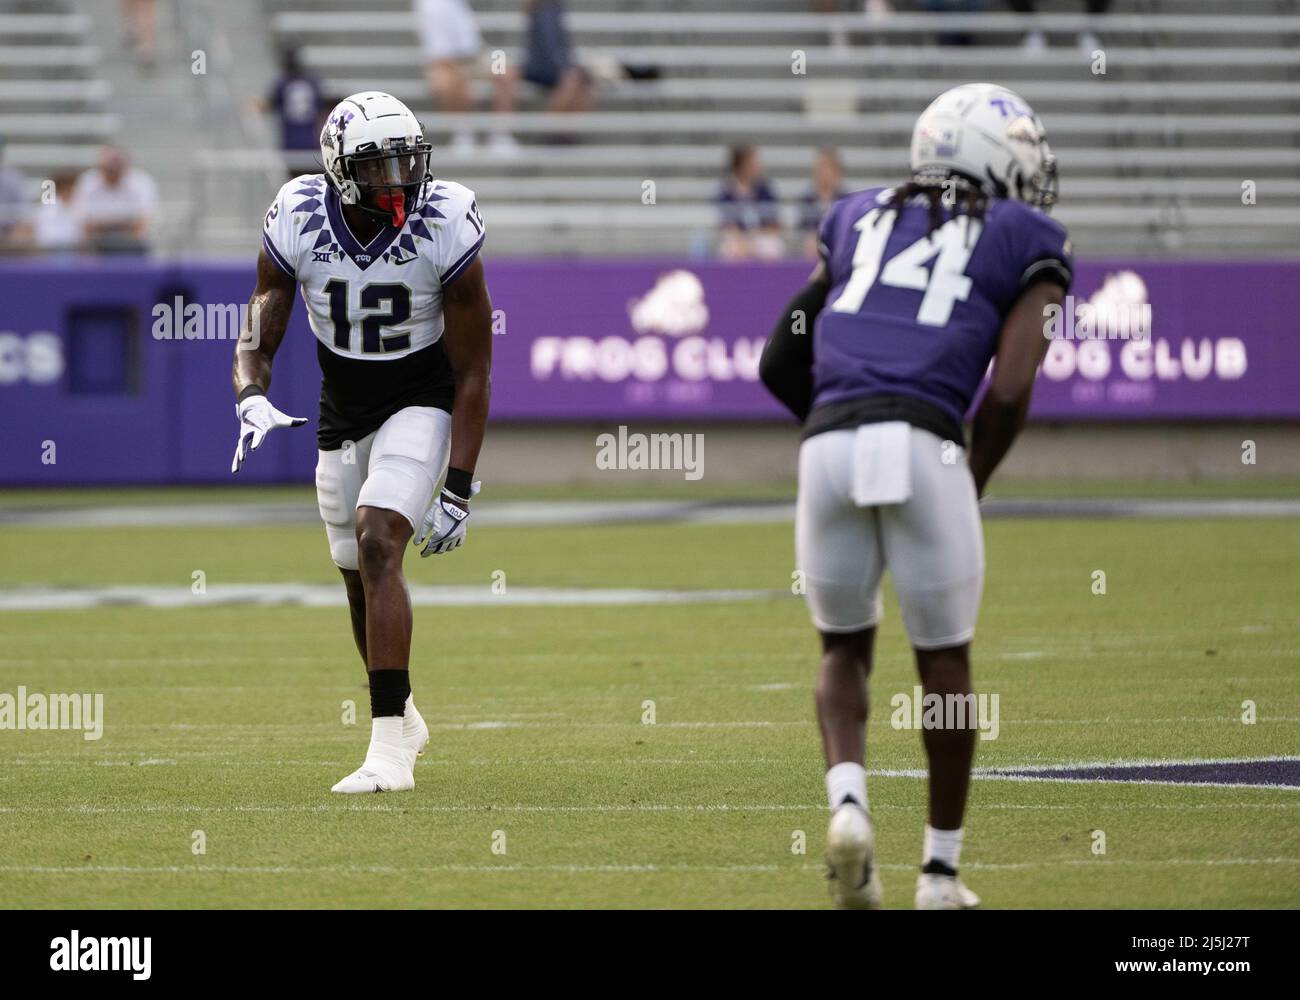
605, 869
560, 513
379, 869
232, 731
274, 729
321, 595
92, 809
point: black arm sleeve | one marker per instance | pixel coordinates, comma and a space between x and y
786, 365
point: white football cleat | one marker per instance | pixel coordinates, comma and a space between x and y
944, 892
376, 778
390, 761
851, 858
415, 734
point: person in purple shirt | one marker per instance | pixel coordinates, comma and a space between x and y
299, 102
918, 289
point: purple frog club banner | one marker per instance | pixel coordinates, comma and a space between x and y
117, 371
1185, 340
1135, 341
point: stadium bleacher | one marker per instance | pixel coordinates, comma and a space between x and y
53, 102
1194, 101
1153, 152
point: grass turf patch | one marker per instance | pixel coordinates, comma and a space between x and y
229, 721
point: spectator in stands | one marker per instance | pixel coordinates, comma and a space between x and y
450, 42
298, 100
56, 228
876, 8
548, 64
1035, 43
750, 215
827, 188
115, 204
140, 18
956, 7
16, 203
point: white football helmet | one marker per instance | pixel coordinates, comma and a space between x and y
989, 134
375, 155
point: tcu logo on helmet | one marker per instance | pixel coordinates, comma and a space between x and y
991, 135
374, 126
332, 133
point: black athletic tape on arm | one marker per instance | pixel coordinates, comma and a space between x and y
1047, 269
786, 364
459, 483
250, 390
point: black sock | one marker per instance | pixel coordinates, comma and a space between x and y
937, 868
389, 690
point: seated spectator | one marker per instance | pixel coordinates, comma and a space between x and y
115, 204
1035, 43
750, 215
827, 188
876, 8
548, 64
956, 7
297, 99
449, 41
16, 204
140, 22
56, 228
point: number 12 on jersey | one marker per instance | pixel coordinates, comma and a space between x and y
944, 284
398, 299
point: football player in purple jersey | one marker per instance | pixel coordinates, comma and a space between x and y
918, 288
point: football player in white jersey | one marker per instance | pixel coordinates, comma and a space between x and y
387, 260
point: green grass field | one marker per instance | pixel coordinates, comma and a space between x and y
228, 720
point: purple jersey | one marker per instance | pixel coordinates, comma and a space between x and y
300, 103
916, 316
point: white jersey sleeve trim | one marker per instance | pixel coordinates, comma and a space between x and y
458, 268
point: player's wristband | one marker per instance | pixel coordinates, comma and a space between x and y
250, 390
459, 484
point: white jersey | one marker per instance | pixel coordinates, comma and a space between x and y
376, 310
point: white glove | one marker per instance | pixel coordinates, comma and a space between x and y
444, 525
256, 417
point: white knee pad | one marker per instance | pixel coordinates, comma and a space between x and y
343, 546
400, 484
837, 608
941, 617
336, 490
